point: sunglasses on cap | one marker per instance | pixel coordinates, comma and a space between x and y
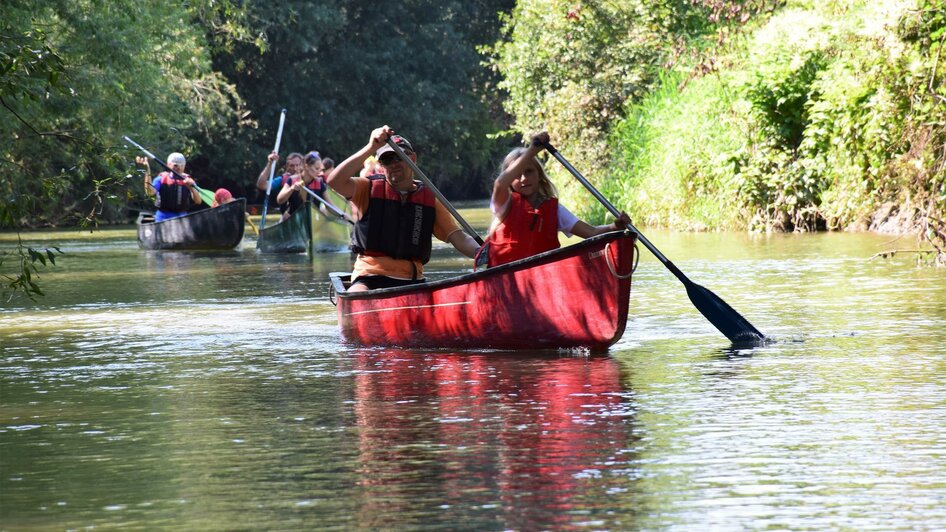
390, 158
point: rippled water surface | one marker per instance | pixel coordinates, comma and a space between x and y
210, 391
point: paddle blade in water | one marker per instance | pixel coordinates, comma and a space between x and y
722, 316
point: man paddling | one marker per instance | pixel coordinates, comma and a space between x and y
173, 196
294, 167
395, 216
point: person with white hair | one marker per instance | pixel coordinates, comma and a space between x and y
173, 196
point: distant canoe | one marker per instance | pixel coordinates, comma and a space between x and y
573, 297
215, 228
307, 230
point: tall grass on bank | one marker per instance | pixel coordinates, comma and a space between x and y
825, 117
672, 162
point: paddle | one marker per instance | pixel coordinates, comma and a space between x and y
246, 215
417, 171
272, 170
206, 196
335, 210
718, 312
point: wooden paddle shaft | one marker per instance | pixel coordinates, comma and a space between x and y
272, 169
467, 227
607, 204
338, 212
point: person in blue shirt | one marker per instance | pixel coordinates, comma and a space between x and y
293, 168
173, 196
292, 197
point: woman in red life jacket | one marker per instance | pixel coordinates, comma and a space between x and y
173, 196
292, 197
527, 215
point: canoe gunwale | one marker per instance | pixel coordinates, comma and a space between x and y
571, 297
338, 278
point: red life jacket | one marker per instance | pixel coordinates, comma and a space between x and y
173, 195
294, 202
525, 231
393, 228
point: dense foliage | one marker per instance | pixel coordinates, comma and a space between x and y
569, 68
196, 77
342, 68
74, 77
758, 114
80, 74
575, 68
824, 117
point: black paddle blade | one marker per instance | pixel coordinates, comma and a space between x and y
722, 316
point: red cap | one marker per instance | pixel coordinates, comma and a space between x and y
222, 196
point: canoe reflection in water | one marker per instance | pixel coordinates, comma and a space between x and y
522, 442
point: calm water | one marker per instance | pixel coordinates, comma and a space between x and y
210, 391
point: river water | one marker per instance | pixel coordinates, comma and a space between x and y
210, 391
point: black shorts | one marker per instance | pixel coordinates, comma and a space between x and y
374, 282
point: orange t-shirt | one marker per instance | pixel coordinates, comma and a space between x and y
444, 226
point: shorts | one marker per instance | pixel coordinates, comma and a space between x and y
374, 282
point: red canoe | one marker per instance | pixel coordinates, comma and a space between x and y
570, 297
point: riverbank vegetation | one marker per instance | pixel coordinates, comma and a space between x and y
759, 115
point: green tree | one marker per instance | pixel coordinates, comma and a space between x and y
341, 68
75, 75
575, 68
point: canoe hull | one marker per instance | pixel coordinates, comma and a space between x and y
288, 236
574, 297
217, 228
307, 230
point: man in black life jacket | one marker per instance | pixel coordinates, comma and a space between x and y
395, 216
173, 196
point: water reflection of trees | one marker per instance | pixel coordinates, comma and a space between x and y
488, 440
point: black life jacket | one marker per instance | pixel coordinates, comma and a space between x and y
173, 196
394, 228
283, 207
295, 202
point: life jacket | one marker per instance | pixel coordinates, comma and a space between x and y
525, 231
394, 228
173, 195
283, 207
295, 202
